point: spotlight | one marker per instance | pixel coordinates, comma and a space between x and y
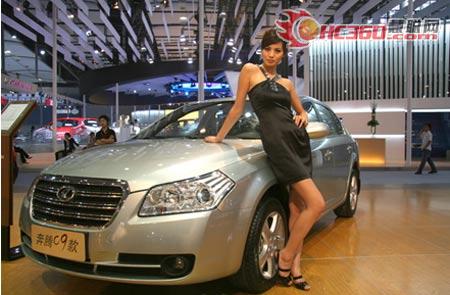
183, 18
190, 60
116, 5
230, 42
239, 61
223, 14
182, 38
150, 60
71, 16
14, 37
7, 52
234, 49
134, 91
143, 49
42, 52
258, 52
96, 51
88, 33
230, 60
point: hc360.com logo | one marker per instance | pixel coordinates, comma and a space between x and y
298, 28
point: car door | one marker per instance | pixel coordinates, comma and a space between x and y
341, 148
322, 157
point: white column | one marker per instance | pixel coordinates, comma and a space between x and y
409, 61
54, 75
306, 71
84, 105
294, 68
201, 50
117, 103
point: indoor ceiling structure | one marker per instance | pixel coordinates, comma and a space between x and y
94, 34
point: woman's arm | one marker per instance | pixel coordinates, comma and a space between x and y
238, 107
301, 119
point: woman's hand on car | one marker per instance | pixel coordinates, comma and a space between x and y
212, 139
301, 120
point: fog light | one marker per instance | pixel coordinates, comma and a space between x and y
175, 266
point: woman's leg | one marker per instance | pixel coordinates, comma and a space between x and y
306, 192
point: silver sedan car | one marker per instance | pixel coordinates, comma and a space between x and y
166, 208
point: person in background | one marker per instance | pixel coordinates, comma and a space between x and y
69, 146
92, 140
69, 143
106, 135
23, 154
427, 140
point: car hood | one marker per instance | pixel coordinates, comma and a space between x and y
144, 163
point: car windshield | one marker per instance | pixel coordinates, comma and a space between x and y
66, 123
200, 120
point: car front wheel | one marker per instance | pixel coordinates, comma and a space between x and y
348, 208
268, 233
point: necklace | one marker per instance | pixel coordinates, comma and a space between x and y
266, 73
273, 85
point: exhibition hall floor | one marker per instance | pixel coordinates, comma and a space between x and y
397, 243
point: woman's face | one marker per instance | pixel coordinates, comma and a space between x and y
272, 54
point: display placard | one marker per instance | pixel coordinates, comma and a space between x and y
14, 114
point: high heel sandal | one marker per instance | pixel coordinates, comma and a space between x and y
302, 285
285, 281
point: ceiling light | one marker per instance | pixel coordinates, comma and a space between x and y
7, 51
239, 61
150, 60
185, 48
116, 5
182, 38
134, 91
71, 16
258, 52
96, 51
143, 49
149, 89
230, 42
88, 33
223, 14
14, 36
42, 52
190, 60
234, 49
183, 18
18, 8
230, 60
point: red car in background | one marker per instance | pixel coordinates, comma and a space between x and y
78, 127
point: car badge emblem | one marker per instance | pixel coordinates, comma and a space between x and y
66, 193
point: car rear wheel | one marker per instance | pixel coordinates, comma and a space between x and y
268, 233
348, 208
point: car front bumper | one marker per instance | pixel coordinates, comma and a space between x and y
133, 249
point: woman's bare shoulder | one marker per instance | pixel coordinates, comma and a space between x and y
249, 67
286, 82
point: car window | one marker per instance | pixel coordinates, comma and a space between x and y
328, 117
203, 121
312, 114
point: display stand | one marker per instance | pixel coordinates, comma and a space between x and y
13, 115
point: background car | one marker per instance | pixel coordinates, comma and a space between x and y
167, 208
78, 127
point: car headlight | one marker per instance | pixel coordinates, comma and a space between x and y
195, 194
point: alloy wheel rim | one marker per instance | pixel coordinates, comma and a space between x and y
353, 193
272, 238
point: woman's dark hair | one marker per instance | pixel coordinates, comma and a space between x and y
104, 117
67, 134
270, 37
429, 125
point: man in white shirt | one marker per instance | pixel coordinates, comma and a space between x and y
427, 139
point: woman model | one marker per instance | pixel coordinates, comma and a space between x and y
286, 144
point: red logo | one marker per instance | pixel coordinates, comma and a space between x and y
298, 29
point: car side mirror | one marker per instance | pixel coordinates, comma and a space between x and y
317, 130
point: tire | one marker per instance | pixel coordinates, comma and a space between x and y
348, 208
264, 238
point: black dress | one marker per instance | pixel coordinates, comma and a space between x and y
286, 145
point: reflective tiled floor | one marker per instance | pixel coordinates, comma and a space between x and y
397, 243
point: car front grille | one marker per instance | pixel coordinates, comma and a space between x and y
92, 202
